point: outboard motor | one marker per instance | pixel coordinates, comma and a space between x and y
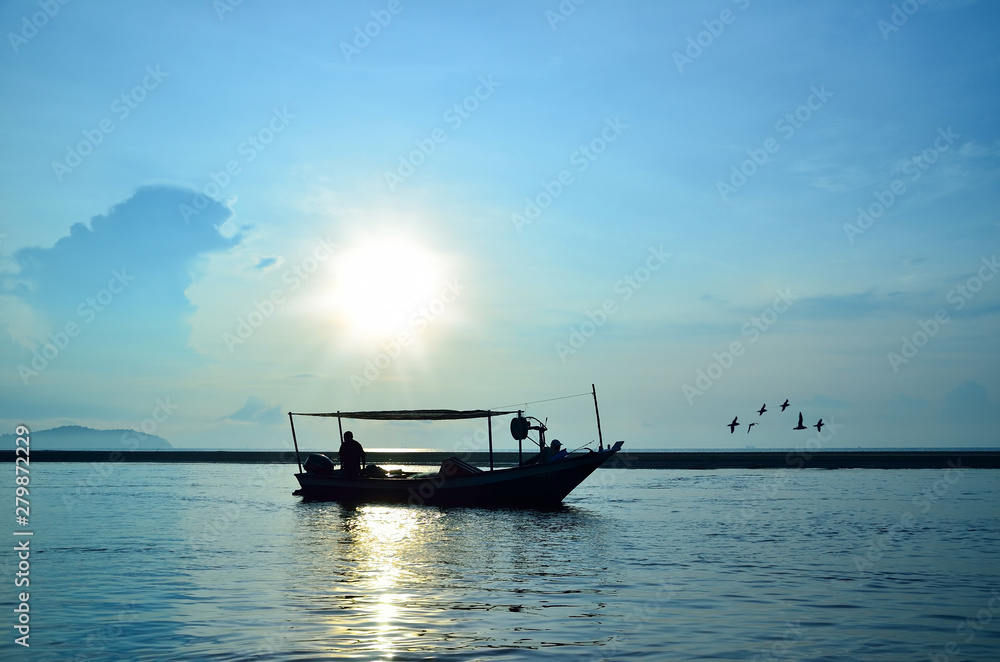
318, 464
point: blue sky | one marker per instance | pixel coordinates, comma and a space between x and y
698, 206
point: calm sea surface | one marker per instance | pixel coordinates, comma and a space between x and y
221, 562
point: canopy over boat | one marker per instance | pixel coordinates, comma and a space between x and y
412, 414
407, 415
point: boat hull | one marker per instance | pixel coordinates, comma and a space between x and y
536, 486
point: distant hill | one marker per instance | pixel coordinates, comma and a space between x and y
77, 437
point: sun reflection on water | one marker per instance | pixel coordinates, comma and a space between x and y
393, 582
376, 572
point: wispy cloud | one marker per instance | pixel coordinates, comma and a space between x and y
257, 410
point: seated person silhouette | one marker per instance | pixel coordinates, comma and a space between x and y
558, 452
352, 456
546, 453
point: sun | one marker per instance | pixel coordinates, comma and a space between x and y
380, 284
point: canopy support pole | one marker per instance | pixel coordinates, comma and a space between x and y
489, 433
519, 442
340, 426
600, 439
295, 441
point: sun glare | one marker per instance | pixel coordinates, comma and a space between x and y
380, 285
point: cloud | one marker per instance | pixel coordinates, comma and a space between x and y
968, 402
265, 264
864, 304
125, 274
256, 410
848, 178
146, 235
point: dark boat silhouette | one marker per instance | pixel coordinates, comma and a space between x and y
539, 482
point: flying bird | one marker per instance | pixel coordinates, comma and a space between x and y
762, 409
784, 404
819, 426
732, 426
750, 426
800, 426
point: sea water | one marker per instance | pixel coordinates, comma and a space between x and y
222, 562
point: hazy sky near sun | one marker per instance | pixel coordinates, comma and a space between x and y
245, 209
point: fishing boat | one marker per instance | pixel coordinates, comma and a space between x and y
541, 481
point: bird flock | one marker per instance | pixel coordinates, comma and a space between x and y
763, 410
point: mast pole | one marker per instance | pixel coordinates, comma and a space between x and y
489, 432
295, 441
600, 439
